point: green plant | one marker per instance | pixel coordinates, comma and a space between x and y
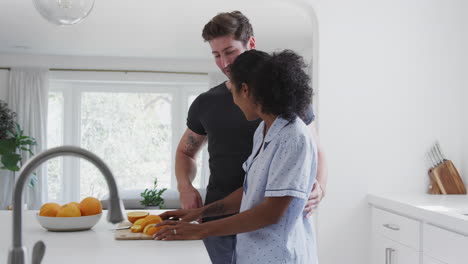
13, 142
7, 122
152, 197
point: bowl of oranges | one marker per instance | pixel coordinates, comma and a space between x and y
71, 216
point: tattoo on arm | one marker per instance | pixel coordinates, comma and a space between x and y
215, 209
191, 144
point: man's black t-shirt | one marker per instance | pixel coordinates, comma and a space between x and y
230, 138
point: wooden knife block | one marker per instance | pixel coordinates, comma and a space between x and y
446, 180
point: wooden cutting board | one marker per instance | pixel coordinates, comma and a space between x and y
447, 179
126, 234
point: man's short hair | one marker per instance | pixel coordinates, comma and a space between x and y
229, 23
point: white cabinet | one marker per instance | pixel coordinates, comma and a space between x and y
398, 239
443, 245
387, 251
429, 260
395, 238
419, 229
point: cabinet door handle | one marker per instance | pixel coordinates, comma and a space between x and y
390, 255
392, 227
386, 255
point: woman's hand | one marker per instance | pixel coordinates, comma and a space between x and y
177, 230
186, 215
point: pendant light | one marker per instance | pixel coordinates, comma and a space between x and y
64, 12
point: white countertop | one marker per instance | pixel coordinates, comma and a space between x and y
445, 211
97, 245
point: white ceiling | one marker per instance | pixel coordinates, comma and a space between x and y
149, 28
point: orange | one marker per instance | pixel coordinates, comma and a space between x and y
151, 219
139, 221
147, 227
90, 206
69, 210
75, 203
152, 229
136, 228
133, 216
49, 209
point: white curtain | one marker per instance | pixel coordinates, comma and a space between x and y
27, 96
7, 182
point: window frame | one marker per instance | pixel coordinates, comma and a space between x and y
72, 86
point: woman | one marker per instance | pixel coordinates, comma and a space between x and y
268, 210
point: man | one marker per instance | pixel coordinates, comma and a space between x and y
214, 116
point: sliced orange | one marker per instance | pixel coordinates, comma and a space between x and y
151, 219
136, 228
133, 216
147, 227
139, 221
152, 229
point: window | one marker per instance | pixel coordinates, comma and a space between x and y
55, 139
133, 126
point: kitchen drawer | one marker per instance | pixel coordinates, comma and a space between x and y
387, 251
444, 245
396, 227
429, 260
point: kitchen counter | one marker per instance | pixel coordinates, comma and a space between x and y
447, 211
97, 245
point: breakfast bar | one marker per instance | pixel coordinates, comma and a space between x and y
97, 245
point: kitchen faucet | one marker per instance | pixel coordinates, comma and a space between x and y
17, 254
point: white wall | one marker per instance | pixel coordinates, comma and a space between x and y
390, 80
464, 97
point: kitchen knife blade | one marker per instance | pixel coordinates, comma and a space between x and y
431, 158
439, 157
436, 157
439, 150
121, 228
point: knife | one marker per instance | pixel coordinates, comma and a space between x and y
439, 157
439, 150
432, 159
429, 158
436, 157
121, 228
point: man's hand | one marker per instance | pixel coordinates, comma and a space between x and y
315, 198
190, 198
186, 168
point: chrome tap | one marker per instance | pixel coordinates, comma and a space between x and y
17, 254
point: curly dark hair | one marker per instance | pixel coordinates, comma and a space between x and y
7, 122
278, 82
229, 23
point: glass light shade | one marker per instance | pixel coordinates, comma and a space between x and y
64, 12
